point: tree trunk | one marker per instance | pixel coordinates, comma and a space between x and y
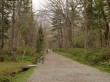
108, 1
86, 24
2, 24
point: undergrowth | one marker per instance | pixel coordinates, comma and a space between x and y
99, 58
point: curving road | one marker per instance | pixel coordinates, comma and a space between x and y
58, 68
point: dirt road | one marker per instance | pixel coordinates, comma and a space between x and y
61, 69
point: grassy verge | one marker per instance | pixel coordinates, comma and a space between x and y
11, 66
99, 58
22, 77
9, 69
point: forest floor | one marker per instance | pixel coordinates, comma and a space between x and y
57, 68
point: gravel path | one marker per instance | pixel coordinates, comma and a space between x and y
61, 69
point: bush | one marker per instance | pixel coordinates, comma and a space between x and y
5, 57
27, 58
106, 64
97, 57
4, 79
27, 50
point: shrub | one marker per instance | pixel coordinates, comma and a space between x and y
97, 56
4, 79
27, 50
27, 58
5, 57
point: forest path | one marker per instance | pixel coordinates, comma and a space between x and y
57, 68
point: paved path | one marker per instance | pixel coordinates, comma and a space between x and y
61, 69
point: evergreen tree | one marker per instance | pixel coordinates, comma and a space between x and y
40, 39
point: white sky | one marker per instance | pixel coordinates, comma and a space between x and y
37, 4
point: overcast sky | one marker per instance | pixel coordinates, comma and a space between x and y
37, 4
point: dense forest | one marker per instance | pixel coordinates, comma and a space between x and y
19, 27
80, 23
73, 24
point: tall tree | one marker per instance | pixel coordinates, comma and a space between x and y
40, 40
4, 15
108, 1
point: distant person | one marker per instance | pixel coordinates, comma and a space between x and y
47, 51
41, 60
53, 50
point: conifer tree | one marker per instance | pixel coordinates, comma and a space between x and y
40, 39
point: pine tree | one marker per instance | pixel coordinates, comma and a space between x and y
40, 39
